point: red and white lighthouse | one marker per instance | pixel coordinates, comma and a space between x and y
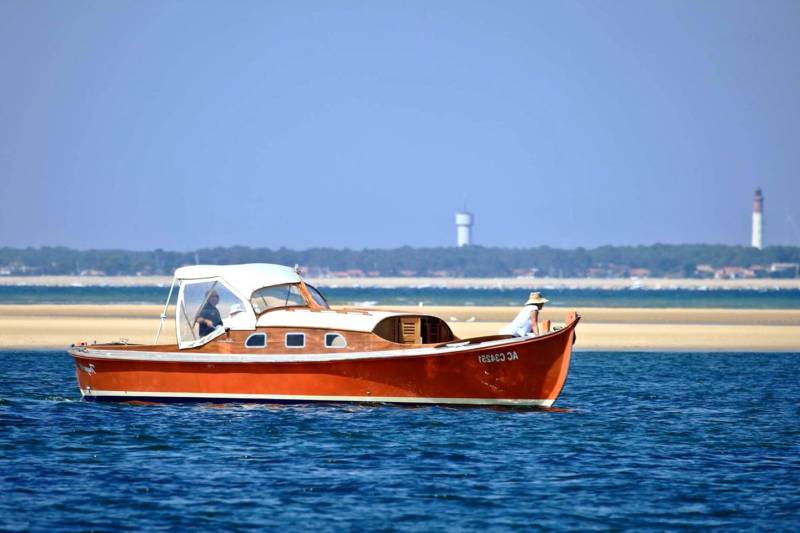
758, 220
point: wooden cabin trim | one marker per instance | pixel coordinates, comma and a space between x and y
145, 353
312, 304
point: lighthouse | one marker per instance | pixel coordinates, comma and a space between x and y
463, 228
758, 220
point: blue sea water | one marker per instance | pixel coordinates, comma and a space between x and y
740, 299
638, 441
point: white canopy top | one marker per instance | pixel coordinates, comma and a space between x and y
243, 278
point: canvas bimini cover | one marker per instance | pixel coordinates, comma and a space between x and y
244, 279
213, 298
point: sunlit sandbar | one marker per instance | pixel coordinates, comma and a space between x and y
648, 329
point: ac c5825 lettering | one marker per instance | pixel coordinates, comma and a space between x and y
502, 357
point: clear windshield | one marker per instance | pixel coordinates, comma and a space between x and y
287, 295
202, 309
317, 297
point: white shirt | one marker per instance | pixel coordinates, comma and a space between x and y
521, 325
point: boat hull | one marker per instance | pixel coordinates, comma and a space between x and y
527, 371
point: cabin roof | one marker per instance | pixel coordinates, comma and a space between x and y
243, 278
328, 319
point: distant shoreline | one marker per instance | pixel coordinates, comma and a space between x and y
448, 283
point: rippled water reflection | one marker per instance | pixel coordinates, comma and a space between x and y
637, 441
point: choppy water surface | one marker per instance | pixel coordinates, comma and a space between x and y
640, 441
724, 298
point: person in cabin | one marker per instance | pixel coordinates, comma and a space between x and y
208, 318
527, 320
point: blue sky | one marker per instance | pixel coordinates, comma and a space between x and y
368, 124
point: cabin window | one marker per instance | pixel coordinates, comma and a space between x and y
256, 340
287, 295
203, 307
295, 340
335, 340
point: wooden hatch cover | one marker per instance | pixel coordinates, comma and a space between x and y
410, 331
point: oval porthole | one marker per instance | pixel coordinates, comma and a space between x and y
335, 340
256, 340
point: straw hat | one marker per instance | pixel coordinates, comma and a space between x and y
536, 298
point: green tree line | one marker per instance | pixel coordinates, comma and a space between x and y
476, 261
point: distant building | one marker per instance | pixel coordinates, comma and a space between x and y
93, 272
730, 272
464, 228
758, 221
784, 270
705, 271
639, 273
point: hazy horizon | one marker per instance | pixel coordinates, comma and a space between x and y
172, 125
361, 249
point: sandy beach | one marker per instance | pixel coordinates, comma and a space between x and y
475, 283
629, 329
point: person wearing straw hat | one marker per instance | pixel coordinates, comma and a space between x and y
527, 320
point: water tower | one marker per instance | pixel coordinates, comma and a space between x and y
758, 222
464, 228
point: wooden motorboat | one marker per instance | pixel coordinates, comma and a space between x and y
258, 332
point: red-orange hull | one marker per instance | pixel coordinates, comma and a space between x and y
528, 371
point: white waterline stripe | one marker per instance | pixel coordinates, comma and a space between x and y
372, 399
